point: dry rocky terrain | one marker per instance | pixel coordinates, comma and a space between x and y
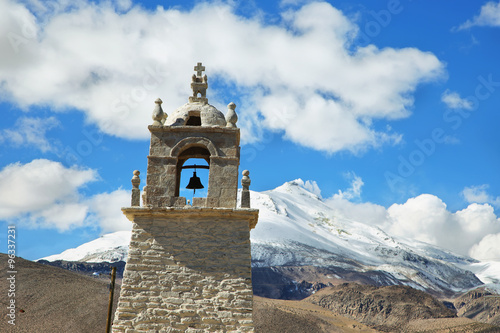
394, 309
480, 305
50, 299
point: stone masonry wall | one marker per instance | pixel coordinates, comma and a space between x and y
188, 270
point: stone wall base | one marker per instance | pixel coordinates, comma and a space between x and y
188, 270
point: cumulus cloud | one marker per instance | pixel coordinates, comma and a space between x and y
454, 101
45, 194
487, 249
426, 218
488, 16
30, 132
111, 60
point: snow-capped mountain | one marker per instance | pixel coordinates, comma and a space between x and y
110, 247
297, 228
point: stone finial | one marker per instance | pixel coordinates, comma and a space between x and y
199, 84
231, 116
158, 115
136, 192
136, 181
245, 192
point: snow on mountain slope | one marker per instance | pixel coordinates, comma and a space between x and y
489, 273
110, 247
296, 228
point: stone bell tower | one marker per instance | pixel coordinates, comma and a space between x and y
189, 265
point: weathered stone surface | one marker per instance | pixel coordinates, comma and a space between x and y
199, 202
199, 262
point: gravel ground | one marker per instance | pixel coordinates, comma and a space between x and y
464, 325
50, 299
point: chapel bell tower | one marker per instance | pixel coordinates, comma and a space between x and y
195, 130
189, 263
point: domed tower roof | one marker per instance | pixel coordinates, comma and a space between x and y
197, 112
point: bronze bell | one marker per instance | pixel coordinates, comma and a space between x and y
194, 183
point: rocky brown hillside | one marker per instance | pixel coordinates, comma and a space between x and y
480, 305
387, 309
271, 315
51, 299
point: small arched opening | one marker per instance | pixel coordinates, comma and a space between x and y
186, 162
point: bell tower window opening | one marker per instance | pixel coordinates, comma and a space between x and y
193, 156
194, 176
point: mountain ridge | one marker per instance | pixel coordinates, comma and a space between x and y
297, 228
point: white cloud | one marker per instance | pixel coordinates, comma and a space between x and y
106, 211
285, 3
426, 218
454, 101
354, 192
365, 212
488, 248
112, 61
62, 216
479, 194
477, 220
45, 194
488, 16
38, 184
310, 185
476, 194
30, 132
123, 5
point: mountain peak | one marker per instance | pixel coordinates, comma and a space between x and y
298, 186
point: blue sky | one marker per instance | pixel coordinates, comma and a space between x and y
388, 108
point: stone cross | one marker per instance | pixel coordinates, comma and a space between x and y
199, 85
199, 69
